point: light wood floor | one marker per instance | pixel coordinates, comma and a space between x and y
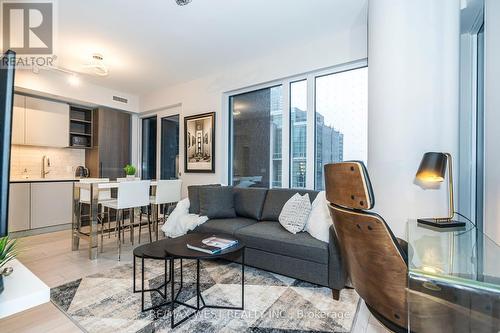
49, 256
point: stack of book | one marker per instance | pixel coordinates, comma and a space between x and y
212, 245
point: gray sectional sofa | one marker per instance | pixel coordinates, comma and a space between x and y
270, 247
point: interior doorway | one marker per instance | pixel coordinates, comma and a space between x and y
169, 153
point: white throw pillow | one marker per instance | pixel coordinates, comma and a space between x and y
319, 222
293, 216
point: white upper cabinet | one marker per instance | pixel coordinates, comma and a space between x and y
19, 120
47, 123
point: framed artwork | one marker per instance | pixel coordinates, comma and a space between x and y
199, 136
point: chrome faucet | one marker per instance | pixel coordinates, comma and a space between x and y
45, 163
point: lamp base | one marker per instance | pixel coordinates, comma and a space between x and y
442, 223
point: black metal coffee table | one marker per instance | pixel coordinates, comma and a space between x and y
155, 251
177, 249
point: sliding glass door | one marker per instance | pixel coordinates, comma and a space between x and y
169, 154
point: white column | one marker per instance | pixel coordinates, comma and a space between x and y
413, 94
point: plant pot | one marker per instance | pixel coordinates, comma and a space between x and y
130, 176
1, 283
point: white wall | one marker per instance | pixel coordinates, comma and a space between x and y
412, 101
56, 85
206, 94
492, 123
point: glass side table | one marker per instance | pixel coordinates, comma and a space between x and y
453, 280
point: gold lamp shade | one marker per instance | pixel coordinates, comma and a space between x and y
432, 167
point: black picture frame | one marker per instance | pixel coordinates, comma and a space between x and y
191, 143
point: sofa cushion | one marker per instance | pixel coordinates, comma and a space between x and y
217, 202
276, 199
224, 226
194, 197
272, 237
248, 202
293, 216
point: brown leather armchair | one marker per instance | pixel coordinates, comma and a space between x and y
373, 258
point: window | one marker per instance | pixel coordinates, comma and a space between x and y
298, 133
326, 120
256, 141
341, 119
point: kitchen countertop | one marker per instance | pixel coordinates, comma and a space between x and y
43, 180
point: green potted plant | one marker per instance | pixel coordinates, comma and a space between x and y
7, 253
129, 170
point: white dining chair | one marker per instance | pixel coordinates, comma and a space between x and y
168, 192
126, 179
130, 195
103, 196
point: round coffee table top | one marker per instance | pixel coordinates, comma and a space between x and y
154, 250
177, 247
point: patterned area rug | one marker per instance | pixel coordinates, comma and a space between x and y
104, 302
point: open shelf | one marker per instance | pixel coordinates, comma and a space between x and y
81, 121
80, 134
80, 127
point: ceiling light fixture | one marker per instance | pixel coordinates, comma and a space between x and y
182, 2
74, 80
97, 65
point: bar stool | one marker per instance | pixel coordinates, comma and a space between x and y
168, 192
104, 195
126, 179
131, 194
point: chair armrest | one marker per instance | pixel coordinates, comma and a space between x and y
337, 276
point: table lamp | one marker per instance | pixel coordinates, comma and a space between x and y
432, 169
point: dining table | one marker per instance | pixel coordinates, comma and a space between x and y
91, 235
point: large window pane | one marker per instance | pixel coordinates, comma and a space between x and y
298, 133
149, 148
276, 135
341, 119
256, 138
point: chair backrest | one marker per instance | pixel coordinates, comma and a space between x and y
133, 194
127, 179
103, 194
168, 191
371, 254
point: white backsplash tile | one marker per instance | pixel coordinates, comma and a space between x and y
63, 161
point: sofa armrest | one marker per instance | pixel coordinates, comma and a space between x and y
337, 276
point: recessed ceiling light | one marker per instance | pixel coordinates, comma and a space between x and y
74, 80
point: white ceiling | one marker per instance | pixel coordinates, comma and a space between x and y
155, 43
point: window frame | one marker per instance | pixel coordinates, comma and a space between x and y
285, 83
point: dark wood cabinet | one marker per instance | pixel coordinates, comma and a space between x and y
111, 144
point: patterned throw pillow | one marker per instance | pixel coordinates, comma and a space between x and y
295, 212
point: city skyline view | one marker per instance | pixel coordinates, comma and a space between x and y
339, 130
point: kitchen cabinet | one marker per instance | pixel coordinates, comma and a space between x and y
19, 207
19, 120
39, 122
111, 150
47, 123
51, 204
